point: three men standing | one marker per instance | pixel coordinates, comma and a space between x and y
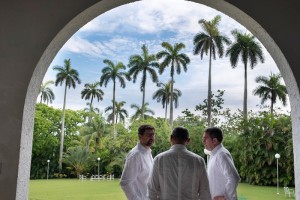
179, 174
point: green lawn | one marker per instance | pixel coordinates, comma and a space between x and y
252, 192
65, 189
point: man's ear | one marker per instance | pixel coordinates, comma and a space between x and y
215, 141
187, 141
171, 139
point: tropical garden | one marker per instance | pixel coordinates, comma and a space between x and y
73, 140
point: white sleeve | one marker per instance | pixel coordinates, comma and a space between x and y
153, 182
129, 177
231, 176
203, 190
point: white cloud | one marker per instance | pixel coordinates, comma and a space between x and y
82, 46
120, 32
152, 16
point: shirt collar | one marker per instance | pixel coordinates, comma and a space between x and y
207, 152
178, 146
214, 151
143, 149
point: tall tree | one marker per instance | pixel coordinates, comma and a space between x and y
94, 130
212, 42
139, 110
271, 89
143, 64
172, 57
78, 158
46, 93
113, 73
92, 91
217, 110
120, 112
250, 52
70, 78
163, 95
91, 108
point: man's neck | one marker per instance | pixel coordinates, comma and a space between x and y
216, 148
145, 146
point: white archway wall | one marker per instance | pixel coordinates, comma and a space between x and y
36, 81
105, 5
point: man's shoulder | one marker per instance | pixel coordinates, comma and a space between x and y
222, 154
194, 155
163, 154
134, 152
223, 151
170, 153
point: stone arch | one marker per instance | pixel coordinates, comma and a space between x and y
105, 5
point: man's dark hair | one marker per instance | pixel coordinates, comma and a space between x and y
145, 127
180, 133
215, 132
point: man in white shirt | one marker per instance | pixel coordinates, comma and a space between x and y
222, 174
138, 165
178, 174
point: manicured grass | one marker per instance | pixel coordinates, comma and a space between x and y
252, 192
71, 189
67, 189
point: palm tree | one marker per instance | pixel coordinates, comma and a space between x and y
139, 110
250, 52
91, 108
78, 158
142, 64
120, 112
118, 160
172, 57
113, 72
163, 95
91, 91
271, 89
93, 131
98, 128
46, 92
210, 41
85, 138
70, 77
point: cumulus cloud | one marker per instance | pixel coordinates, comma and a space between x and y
120, 33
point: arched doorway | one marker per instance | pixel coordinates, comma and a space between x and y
99, 8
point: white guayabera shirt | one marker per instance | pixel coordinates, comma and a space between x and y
178, 174
136, 171
222, 174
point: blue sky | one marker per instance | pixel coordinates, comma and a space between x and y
120, 33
